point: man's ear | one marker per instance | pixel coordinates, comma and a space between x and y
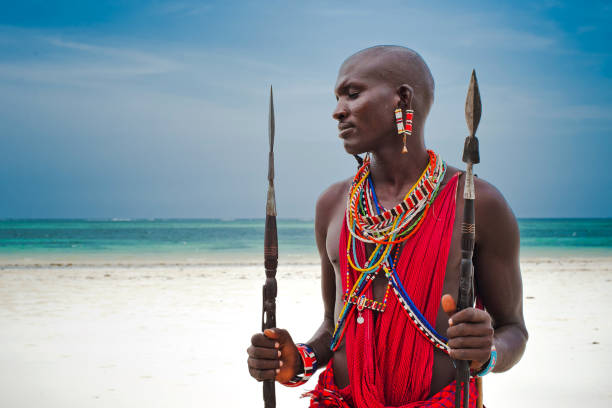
405, 93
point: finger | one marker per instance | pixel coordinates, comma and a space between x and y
470, 343
260, 340
478, 355
262, 375
470, 330
449, 305
470, 314
272, 333
263, 353
260, 364
280, 335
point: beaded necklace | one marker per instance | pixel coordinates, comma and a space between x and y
369, 222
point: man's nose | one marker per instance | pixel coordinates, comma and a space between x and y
340, 113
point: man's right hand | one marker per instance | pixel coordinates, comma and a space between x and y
273, 356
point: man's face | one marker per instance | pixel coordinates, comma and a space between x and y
365, 109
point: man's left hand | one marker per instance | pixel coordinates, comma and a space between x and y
470, 333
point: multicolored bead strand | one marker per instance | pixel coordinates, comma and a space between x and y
369, 222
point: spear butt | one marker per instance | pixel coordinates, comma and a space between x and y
269, 394
269, 291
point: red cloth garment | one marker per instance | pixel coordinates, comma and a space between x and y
390, 364
327, 394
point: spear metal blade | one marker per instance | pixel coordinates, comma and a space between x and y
271, 121
271, 203
473, 107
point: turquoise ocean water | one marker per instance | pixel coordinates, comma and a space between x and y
210, 239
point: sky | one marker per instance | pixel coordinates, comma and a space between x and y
130, 109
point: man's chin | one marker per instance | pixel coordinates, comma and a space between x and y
351, 148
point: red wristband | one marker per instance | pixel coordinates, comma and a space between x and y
309, 359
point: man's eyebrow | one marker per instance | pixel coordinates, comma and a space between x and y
341, 87
345, 85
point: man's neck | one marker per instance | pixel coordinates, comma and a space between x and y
394, 172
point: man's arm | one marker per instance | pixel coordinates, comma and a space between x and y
321, 340
499, 286
273, 355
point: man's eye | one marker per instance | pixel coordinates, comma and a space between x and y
353, 95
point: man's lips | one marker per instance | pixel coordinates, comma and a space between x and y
345, 129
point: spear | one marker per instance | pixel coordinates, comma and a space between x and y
268, 317
471, 156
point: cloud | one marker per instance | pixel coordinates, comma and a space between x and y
146, 62
181, 8
64, 61
339, 12
547, 5
507, 39
586, 29
61, 59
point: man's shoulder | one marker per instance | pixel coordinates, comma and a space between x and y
489, 200
330, 199
333, 194
497, 226
492, 211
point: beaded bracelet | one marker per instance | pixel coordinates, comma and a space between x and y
489, 367
310, 366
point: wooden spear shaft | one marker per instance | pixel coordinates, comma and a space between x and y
268, 317
471, 156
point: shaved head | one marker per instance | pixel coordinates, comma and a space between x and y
397, 66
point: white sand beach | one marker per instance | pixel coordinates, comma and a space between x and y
128, 334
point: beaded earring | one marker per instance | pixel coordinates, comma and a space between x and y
407, 127
404, 129
399, 121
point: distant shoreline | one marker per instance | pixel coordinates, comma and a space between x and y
193, 242
135, 260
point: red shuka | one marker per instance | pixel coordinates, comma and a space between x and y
327, 394
390, 363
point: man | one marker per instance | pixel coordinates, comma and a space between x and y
380, 271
